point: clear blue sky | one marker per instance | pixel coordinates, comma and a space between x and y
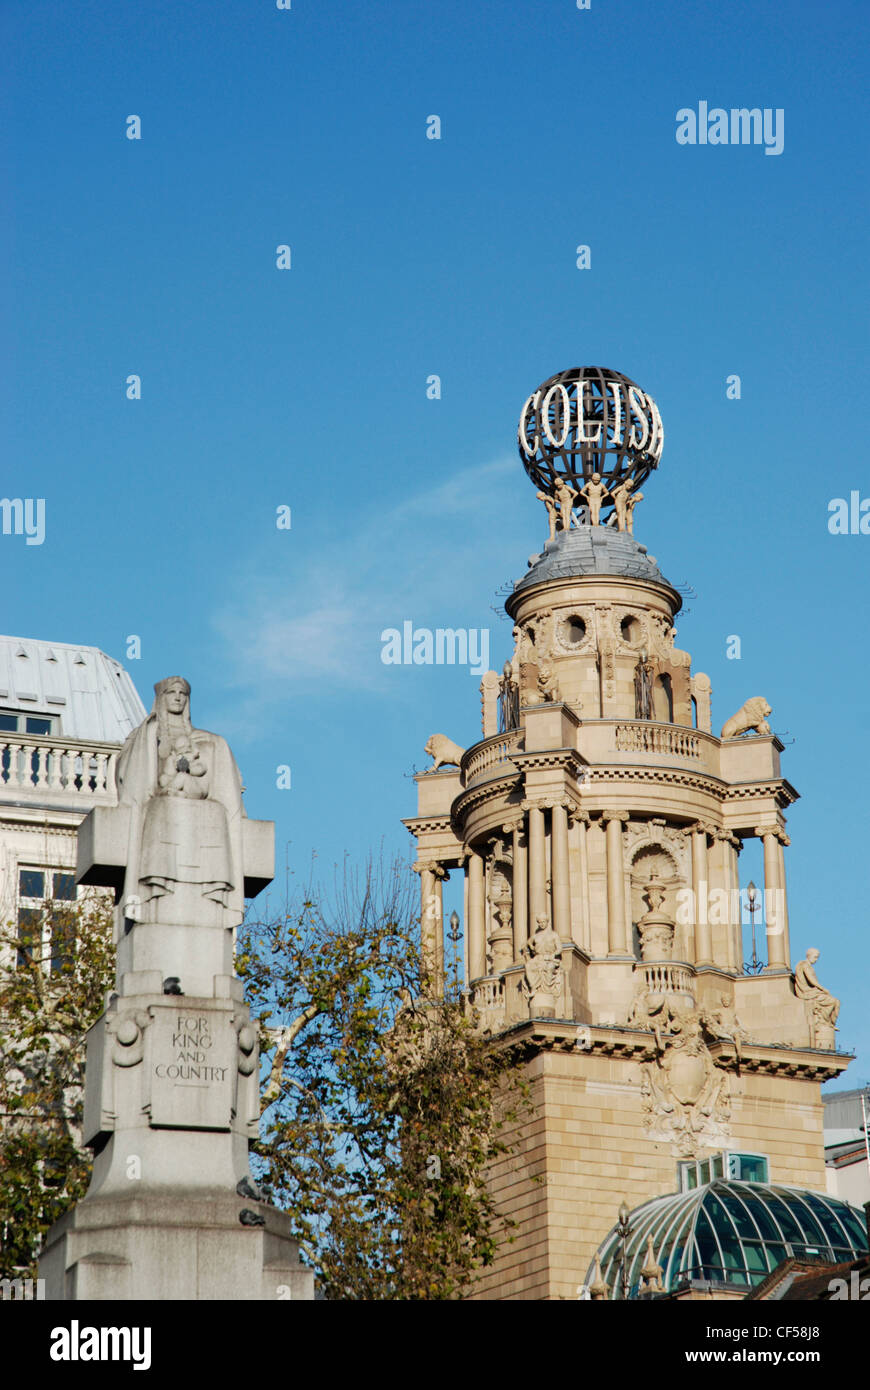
409, 257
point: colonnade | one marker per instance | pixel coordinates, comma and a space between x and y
541, 838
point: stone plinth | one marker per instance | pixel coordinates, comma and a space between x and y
173, 1247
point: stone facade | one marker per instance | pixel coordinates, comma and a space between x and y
613, 815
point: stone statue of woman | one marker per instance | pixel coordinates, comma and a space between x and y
184, 793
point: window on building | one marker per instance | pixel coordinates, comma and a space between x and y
20, 722
738, 1167
46, 917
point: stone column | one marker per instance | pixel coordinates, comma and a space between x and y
617, 932
703, 937
427, 934
561, 880
476, 917
726, 840
521, 889
582, 933
537, 862
782, 841
774, 925
489, 703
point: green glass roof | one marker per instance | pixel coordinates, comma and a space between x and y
731, 1233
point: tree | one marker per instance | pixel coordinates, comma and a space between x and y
382, 1106
378, 1134
53, 980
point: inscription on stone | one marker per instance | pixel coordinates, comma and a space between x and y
192, 1069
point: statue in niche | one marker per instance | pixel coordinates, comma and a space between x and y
595, 493
184, 794
552, 512
822, 1008
508, 701
643, 688
566, 497
543, 953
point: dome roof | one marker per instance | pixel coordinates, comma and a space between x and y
731, 1232
591, 550
88, 693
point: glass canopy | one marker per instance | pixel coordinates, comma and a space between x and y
731, 1233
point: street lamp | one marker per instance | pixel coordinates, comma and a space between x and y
755, 965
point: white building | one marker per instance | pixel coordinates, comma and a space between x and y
65, 711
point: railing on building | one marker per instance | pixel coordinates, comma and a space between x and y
643, 737
50, 769
492, 756
666, 977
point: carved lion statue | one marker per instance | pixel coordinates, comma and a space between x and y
442, 750
752, 715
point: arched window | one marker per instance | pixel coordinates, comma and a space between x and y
663, 700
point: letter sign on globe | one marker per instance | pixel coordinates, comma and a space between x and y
589, 420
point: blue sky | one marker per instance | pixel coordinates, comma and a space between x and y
456, 257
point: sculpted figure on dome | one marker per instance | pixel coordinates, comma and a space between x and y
595, 493
552, 512
624, 503
567, 498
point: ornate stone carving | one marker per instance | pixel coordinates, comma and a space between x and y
685, 1095
548, 687
822, 1008
750, 716
724, 1023
543, 973
652, 1272
442, 750
655, 927
127, 1032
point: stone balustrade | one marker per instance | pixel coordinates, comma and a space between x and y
46, 770
667, 977
491, 757
643, 737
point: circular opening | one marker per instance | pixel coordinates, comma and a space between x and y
631, 630
574, 631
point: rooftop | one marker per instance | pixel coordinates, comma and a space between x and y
591, 550
84, 693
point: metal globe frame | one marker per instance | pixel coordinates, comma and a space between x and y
552, 449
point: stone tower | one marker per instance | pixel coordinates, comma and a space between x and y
598, 823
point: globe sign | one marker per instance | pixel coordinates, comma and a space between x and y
589, 420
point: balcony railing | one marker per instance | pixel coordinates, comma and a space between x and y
47, 769
492, 756
673, 739
666, 977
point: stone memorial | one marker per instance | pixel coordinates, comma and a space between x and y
172, 1075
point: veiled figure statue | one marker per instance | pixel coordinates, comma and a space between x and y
184, 793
